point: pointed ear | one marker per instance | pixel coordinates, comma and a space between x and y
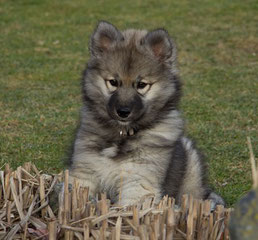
104, 38
160, 45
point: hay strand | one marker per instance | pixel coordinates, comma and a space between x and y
253, 164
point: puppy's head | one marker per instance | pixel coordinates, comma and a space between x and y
131, 76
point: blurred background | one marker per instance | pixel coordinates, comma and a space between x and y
44, 49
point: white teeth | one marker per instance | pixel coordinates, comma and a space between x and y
123, 132
131, 131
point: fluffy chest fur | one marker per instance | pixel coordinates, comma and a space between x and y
117, 165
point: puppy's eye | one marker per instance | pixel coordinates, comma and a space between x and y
143, 87
111, 84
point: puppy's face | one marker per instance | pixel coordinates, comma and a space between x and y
131, 75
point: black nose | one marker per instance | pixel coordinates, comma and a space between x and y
123, 112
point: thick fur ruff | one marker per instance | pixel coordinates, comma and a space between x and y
131, 141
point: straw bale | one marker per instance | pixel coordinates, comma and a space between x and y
25, 213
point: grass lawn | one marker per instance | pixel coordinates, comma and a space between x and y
43, 50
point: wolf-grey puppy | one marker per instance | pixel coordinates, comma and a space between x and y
131, 141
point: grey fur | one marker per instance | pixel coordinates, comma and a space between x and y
131, 141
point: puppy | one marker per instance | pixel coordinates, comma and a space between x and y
131, 140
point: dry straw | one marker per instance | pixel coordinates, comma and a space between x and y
253, 164
26, 214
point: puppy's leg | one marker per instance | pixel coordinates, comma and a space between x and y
83, 169
85, 180
132, 192
88, 181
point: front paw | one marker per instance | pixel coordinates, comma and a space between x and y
126, 202
148, 198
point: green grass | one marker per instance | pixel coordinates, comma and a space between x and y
43, 50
